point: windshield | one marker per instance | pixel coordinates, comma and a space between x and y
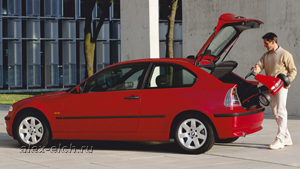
221, 41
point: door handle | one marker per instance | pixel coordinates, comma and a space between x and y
132, 97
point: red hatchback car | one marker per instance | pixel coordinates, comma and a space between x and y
194, 102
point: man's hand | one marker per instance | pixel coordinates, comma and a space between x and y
253, 68
286, 87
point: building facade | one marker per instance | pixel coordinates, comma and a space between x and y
42, 42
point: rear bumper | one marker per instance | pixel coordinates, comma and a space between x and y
237, 124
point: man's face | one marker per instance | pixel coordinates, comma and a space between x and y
269, 44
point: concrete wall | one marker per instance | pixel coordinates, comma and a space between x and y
139, 29
281, 17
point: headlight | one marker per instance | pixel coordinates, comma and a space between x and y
10, 109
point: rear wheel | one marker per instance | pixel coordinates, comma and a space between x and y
31, 130
194, 135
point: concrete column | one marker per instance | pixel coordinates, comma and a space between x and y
139, 29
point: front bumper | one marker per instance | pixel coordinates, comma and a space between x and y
8, 122
6, 118
237, 124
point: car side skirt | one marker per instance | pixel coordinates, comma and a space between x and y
123, 136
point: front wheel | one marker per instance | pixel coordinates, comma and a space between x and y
31, 130
194, 135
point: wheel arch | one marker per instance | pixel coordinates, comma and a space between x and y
191, 112
34, 111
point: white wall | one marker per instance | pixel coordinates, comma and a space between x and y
281, 17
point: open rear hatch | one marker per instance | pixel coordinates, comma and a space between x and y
226, 32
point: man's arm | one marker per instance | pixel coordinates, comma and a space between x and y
259, 66
290, 66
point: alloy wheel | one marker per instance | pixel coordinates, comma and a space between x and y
192, 133
31, 130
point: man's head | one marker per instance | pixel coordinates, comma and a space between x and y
270, 41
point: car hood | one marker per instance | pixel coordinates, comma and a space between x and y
226, 32
49, 97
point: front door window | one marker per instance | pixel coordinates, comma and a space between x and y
125, 77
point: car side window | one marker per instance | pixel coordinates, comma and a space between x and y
122, 77
171, 76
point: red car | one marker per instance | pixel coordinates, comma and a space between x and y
194, 102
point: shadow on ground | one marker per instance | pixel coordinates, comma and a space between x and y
78, 145
163, 147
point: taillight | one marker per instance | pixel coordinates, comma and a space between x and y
232, 99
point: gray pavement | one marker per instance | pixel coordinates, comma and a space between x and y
248, 152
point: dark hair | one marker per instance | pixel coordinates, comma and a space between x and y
270, 36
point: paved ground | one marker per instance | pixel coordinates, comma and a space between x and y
249, 152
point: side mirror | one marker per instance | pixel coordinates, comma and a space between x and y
128, 85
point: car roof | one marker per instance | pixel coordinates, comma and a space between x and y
168, 60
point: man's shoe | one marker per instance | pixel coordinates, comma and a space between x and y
276, 145
288, 142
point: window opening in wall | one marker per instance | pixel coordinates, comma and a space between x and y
5, 64
164, 10
14, 7
53, 8
100, 11
41, 8
24, 29
116, 9
4, 7
60, 68
32, 7
4, 28
82, 13
24, 62
49, 42
69, 8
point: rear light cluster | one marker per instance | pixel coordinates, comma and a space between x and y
232, 99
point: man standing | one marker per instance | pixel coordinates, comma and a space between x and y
278, 61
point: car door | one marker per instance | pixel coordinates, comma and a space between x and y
108, 101
166, 93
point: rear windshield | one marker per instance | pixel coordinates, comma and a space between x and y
221, 40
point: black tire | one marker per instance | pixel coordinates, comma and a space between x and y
285, 79
32, 130
227, 140
264, 99
194, 135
